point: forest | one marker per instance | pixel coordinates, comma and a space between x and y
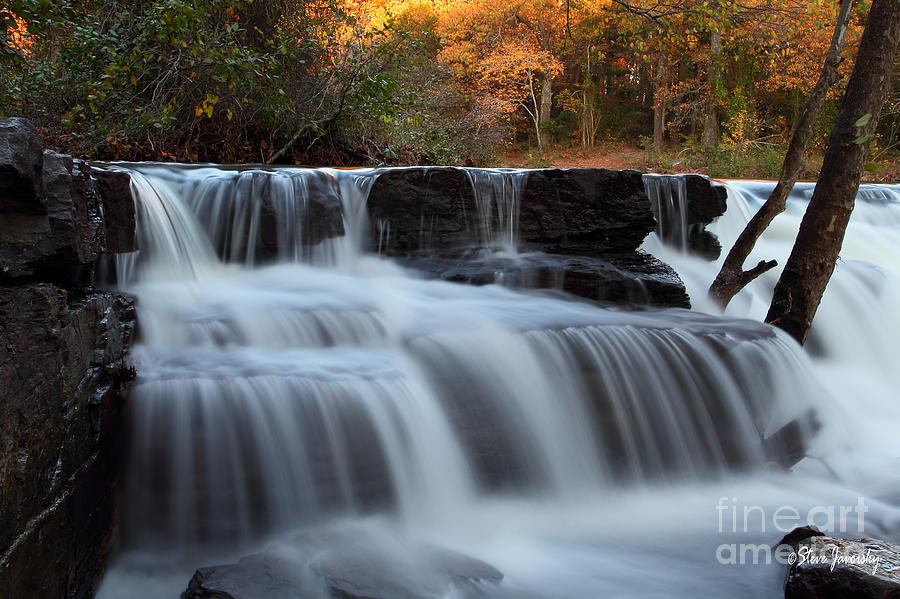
711, 86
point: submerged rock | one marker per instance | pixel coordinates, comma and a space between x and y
830, 568
635, 278
259, 215
683, 205
351, 564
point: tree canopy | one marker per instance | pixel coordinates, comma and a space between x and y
400, 81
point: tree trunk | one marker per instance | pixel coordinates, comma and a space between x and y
660, 77
800, 288
546, 104
711, 123
588, 116
732, 278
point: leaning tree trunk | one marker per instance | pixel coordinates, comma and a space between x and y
710, 137
732, 277
800, 288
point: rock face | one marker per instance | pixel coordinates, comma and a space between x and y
63, 369
114, 188
585, 211
20, 168
827, 568
578, 211
428, 210
585, 223
350, 564
55, 216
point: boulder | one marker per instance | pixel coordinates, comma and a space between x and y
706, 200
20, 168
346, 563
830, 568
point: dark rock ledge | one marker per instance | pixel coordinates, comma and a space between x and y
831, 568
63, 366
579, 230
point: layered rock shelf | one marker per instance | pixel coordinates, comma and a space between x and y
577, 229
63, 365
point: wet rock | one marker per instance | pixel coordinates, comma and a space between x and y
422, 209
787, 446
114, 188
706, 200
20, 168
52, 227
62, 372
827, 568
585, 211
799, 534
72, 211
259, 215
635, 278
351, 564
683, 205
578, 211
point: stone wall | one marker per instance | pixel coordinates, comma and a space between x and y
63, 366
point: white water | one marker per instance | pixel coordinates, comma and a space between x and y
582, 451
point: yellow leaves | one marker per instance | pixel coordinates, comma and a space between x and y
133, 80
207, 107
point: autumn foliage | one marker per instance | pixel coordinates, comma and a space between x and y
400, 81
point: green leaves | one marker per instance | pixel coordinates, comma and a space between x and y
860, 123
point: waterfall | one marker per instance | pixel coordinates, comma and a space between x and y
320, 383
668, 199
498, 196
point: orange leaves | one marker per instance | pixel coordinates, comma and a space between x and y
17, 36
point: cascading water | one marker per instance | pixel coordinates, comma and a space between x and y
498, 195
668, 198
580, 450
